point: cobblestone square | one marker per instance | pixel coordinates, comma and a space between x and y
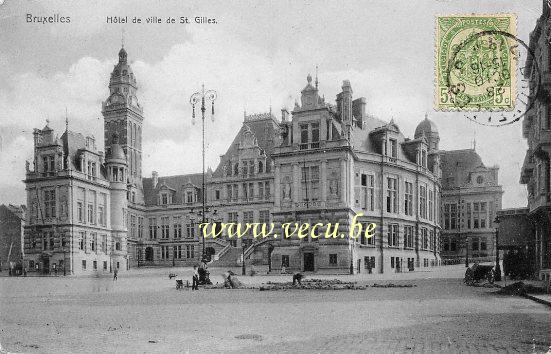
143, 312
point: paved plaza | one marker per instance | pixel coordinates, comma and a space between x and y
143, 312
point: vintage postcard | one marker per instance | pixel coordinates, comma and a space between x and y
275, 176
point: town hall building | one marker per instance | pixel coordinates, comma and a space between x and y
91, 211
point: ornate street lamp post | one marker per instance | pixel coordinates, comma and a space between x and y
196, 98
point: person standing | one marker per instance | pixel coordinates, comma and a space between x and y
115, 273
195, 280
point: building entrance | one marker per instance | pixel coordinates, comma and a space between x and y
308, 262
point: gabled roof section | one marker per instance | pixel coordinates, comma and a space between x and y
263, 127
174, 183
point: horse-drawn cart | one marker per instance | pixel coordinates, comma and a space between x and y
477, 272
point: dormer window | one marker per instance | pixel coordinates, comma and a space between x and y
190, 197
393, 148
165, 198
424, 158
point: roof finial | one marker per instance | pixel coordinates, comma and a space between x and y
122, 38
474, 139
426, 116
316, 77
47, 121
270, 106
66, 120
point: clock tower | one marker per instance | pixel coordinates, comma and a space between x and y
123, 116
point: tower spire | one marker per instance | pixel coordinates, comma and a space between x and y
66, 120
316, 77
122, 38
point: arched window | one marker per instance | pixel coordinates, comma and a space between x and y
117, 246
260, 166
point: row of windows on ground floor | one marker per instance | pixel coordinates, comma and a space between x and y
454, 244
167, 253
370, 263
36, 265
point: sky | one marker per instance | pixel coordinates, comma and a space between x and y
256, 56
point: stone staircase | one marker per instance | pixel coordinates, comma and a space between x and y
228, 257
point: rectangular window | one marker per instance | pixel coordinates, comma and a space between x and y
310, 183
391, 196
93, 241
80, 212
264, 216
190, 251
95, 263
165, 227
315, 132
367, 188
190, 197
393, 235
133, 225
83, 264
408, 236
140, 227
49, 164
91, 214
101, 216
423, 202
408, 199
303, 136
49, 204
285, 260
152, 228
104, 265
82, 240
431, 205
333, 259
393, 148
190, 230
177, 226
424, 238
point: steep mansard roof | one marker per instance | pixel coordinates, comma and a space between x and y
458, 164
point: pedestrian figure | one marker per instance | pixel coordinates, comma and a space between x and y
195, 280
297, 277
55, 270
115, 272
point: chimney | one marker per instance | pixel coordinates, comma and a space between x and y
155, 176
358, 110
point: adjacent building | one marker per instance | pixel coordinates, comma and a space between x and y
12, 222
471, 198
536, 128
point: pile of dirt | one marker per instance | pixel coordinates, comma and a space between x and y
518, 288
314, 284
390, 285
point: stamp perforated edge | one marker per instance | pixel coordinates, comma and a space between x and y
436, 106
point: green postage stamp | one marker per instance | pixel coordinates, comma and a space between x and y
476, 62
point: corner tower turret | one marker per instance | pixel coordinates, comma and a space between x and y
116, 165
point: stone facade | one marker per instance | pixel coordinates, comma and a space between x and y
318, 163
536, 128
471, 197
12, 222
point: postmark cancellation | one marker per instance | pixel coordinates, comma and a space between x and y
475, 62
